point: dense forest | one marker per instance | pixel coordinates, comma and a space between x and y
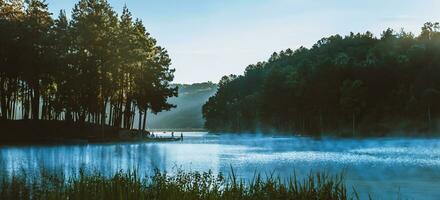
350, 84
188, 112
92, 67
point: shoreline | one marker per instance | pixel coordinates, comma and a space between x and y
25, 132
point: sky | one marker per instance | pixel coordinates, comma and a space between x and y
207, 39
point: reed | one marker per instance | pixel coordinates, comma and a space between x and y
180, 185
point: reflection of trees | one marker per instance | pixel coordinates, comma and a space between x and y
158, 159
67, 160
3, 161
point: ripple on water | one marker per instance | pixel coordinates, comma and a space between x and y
354, 157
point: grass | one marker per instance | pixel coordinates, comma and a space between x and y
179, 186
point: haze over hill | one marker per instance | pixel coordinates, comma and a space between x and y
188, 113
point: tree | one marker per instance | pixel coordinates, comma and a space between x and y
96, 68
38, 22
429, 97
352, 99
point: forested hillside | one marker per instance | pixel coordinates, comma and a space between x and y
188, 113
356, 84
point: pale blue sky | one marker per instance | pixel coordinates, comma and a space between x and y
207, 39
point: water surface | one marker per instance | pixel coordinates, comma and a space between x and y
385, 168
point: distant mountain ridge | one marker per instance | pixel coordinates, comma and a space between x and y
188, 113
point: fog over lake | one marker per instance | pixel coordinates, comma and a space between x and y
383, 167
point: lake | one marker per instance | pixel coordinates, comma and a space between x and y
385, 168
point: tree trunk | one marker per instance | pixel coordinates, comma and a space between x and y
3, 100
36, 104
140, 120
145, 119
14, 106
68, 116
110, 115
26, 103
133, 114
103, 114
119, 114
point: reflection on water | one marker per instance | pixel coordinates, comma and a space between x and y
383, 167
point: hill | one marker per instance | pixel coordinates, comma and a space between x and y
188, 113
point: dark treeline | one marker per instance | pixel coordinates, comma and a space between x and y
342, 84
94, 66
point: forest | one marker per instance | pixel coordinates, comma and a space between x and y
93, 67
354, 84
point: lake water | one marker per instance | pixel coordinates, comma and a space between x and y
385, 168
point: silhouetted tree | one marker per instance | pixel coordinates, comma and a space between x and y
95, 68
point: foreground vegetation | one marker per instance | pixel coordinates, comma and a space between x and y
93, 67
355, 84
182, 185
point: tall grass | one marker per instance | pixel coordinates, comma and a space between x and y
179, 186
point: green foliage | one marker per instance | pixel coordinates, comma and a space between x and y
180, 186
95, 67
342, 83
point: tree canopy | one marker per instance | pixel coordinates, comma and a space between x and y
94, 66
341, 83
